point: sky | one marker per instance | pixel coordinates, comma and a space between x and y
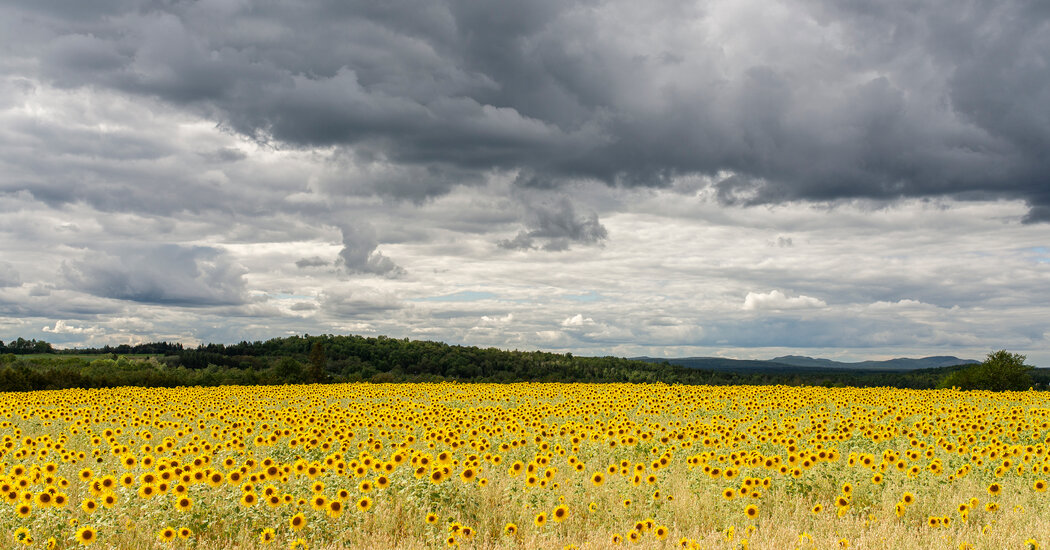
739, 178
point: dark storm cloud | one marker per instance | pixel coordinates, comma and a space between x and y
359, 254
164, 274
555, 227
813, 101
313, 261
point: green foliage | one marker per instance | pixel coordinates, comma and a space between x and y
289, 370
1001, 371
21, 346
318, 362
331, 358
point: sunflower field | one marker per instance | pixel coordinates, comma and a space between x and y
524, 466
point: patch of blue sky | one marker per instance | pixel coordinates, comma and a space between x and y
462, 296
589, 296
282, 296
279, 295
1042, 254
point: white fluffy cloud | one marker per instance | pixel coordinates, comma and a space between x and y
775, 299
577, 320
61, 327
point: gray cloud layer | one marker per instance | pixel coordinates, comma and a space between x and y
359, 254
739, 177
167, 274
810, 100
556, 226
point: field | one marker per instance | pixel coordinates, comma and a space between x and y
524, 466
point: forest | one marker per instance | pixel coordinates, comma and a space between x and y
27, 365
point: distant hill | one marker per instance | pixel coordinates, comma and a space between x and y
807, 364
902, 363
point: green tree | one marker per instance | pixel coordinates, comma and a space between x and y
318, 361
288, 370
1000, 371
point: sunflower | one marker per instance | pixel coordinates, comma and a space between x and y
183, 504
44, 499
510, 529
660, 532
318, 502
166, 534
364, 504
540, 520
597, 479
728, 494
560, 514
335, 508
994, 489
185, 533
1039, 485
297, 522
751, 511
432, 518
86, 535
267, 536
248, 499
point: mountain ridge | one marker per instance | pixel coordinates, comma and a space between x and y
804, 362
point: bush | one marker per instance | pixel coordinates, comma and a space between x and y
1001, 371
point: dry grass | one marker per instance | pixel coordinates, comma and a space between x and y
487, 428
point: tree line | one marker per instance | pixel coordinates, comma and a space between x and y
349, 358
21, 346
